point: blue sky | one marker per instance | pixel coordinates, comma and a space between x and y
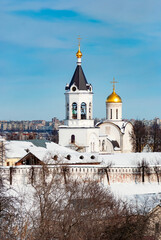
38, 42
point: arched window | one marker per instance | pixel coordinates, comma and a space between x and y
99, 143
73, 139
111, 113
74, 110
103, 145
116, 113
67, 110
90, 106
83, 110
93, 146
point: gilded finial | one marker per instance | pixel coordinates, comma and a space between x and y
113, 84
79, 54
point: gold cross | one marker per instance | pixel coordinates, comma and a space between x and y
79, 39
113, 84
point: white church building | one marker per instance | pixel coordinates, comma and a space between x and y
79, 132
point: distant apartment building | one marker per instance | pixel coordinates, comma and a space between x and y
36, 129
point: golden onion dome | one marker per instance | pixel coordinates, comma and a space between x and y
113, 98
79, 54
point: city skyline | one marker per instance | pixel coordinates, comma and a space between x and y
38, 43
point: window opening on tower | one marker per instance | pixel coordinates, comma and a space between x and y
74, 111
111, 114
67, 112
90, 105
83, 110
116, 113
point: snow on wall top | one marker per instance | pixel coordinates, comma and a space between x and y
131, 159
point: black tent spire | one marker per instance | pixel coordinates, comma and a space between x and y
79, 79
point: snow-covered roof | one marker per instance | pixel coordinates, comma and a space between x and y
120, 124
131, 159
18, 149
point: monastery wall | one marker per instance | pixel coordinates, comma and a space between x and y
22, 174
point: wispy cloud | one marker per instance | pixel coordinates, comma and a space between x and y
56, 15
139, 11
38, 45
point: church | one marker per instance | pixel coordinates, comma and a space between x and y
79, 132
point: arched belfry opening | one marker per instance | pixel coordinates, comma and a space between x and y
74, 111
83, 110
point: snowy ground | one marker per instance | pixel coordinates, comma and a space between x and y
127, 189
147, 195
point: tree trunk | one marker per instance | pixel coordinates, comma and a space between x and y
107, 175
11, 175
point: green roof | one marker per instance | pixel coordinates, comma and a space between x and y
39, 142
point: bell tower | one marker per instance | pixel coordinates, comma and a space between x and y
79, 132
79, 98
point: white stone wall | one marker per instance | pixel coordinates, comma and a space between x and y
22, 174
105, 146
114, 107
111, 131
84, 137
79, 123
127, 143
79, 97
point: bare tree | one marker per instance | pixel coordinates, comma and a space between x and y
157, 171
65, 209
10, 175
8, 213
3, 149
143, 169
32, 175
79, 210
155, 137
139, 136
105, 171
65, 172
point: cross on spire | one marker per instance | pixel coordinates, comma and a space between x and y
79, 54
79, 39
113, 84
